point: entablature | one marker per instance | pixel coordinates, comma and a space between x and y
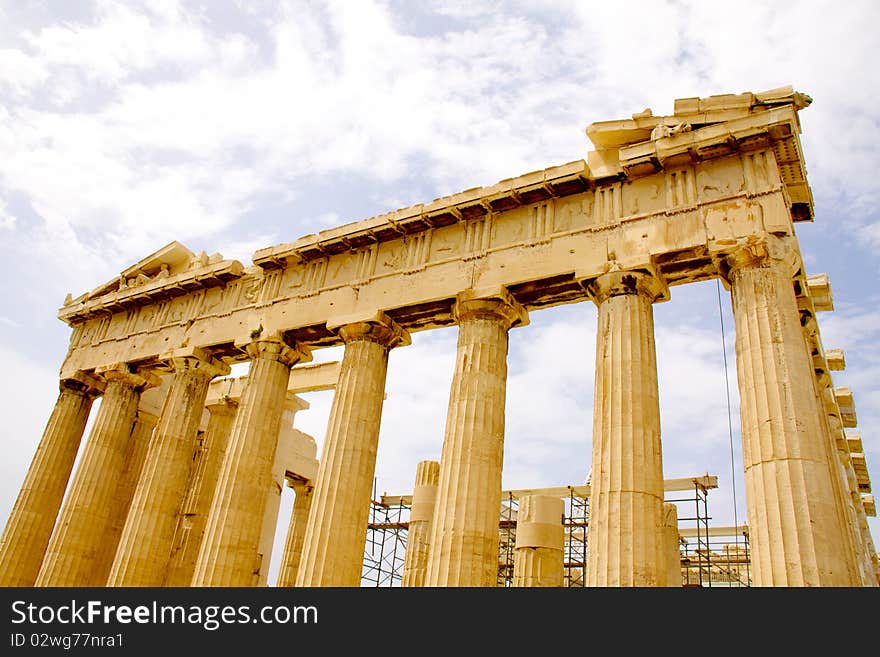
170, 272
758, 122
543, 237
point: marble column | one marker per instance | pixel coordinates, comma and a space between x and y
200, 493
29, 527
72, 558
135, 456
540, 542
464, 538
229, 554
626, 501
671, 552
796, 538
333, 553
866, 553
839, 458
148, 536
418, 536
296, 533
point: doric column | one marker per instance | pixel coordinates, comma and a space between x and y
147, 538
30, 524
229, 552
671, 554
839, 458
296, 533
75, 547
861, 537
626, 500
796, 537
200, 493
135, 456
464, 536
418, 536
540, 539
867, 554
334, 545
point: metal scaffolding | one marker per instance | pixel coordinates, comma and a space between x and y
710, 556
385, 549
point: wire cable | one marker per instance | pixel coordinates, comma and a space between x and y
729, 414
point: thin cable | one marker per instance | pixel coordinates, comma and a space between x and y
729, 415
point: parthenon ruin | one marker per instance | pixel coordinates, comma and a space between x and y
178, 481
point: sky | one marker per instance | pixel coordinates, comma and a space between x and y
235, 125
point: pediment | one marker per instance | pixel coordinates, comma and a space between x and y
172, 258
170, 271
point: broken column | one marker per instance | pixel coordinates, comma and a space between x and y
85, 518
626, 500
33, 516
540, 538
464, 536
334, 545
795, 533
229, 554
419, 534
670, 545
296, 533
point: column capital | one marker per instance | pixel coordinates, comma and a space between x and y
378, 328
278, 350
195, 359
754, 251
497, 305
224, 406
83, 383
125, 374
301, 486
645, 281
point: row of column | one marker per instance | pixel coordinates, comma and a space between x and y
796, 518
793, 504
136, 509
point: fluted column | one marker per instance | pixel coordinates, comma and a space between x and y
418, 536
75, 546
33, 516
229, 554
333, 553
540, 541
626, 500
671, 553
200, 493
836, 444
296, 533
135, 456
866, 553
147, 538
796, 538
464, 536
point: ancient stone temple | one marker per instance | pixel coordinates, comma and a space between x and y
178, 481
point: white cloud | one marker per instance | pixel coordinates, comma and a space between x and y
7, 221
31, 391
19, 73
